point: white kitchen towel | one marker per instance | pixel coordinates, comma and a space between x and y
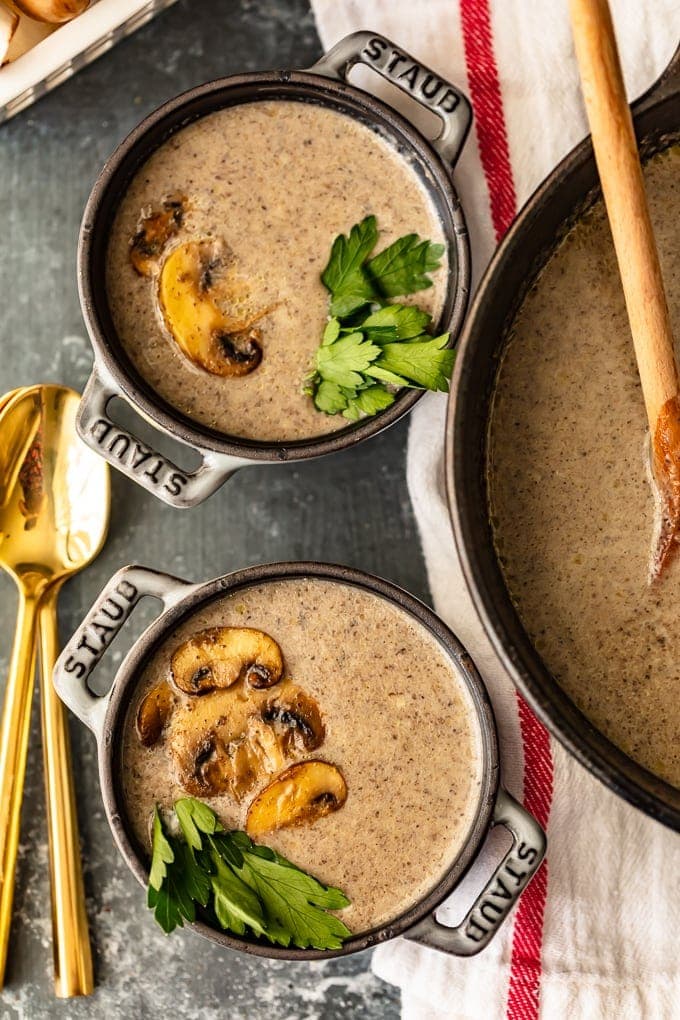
596, 935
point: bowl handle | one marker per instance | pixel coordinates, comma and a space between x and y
501, 892
411, 77
140, 462
101, 625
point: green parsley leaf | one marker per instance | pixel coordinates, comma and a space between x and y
171, 900
345, 274
195, 818
234, 902
241, 840
403, 267
329, 397
228, 848
295, 903
343, 361
331, 332
406, 321
161, 854
428, 363
367, 402
376, 372
196, 881
379, 334
246, 888
368, 344
170, 907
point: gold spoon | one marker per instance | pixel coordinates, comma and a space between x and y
73, 967
54, 506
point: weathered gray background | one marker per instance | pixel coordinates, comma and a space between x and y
350, 508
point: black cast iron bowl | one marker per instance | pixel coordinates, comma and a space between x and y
543, 221
106, 717
324, 84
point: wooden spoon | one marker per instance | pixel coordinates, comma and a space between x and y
618, 163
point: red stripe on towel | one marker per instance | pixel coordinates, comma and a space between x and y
485, 92
525, 963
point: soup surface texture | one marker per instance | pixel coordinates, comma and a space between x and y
570, 501
399, 724
276, 181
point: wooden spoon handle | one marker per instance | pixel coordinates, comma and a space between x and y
620, 172
70, 935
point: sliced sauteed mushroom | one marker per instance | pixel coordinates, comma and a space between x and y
230, 740
234, 731
299, 796
238, 770
219, 656
193, 291
257, 755
199, 736
220, 744
153, 713
295, 718
154, 230
266, 747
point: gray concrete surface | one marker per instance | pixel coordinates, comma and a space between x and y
351, 508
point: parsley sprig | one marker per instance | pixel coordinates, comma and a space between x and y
244, 887
370, 346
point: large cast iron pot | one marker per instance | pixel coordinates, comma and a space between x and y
571, 187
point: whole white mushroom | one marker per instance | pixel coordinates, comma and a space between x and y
55, 12
8, 26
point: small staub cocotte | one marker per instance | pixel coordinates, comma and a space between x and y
302, 715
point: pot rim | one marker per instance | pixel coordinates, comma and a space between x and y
555, 709
198, 595
355, 102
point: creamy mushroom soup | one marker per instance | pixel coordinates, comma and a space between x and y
349, 699
570, 501
267, 186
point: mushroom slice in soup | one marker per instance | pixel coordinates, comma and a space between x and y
219, 656
155, 228
199, 736
221, 745
231, 740
256, 756
194, 291
153, 713
301, 795
295, 717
